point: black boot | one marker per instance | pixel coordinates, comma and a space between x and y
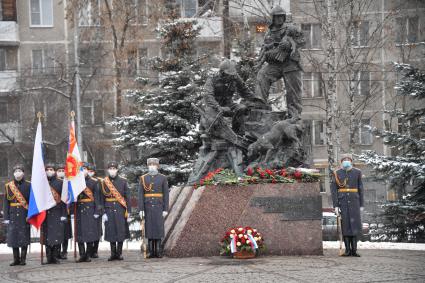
55, 253
119, 251
64, 253
48, 252
16, 259
82, 252
354, 247
150, 249
347, 246
24, 250
158, 250
95, 249
113, 251
89, 248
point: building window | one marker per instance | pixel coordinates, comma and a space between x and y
89, 14
8, 10
4, 164
318, 135
92, 110
139, 12
9, 111
41, 13
188, 8
362, 82
360, 36
99, 161
144, 65
3, 66
313, 36
43, 61
365, 135
407, 30
312, 86
132, 62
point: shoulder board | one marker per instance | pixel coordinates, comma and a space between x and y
125, 179
29, 182
94, 179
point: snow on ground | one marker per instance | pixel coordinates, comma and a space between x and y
135, 245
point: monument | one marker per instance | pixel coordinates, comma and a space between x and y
239, 130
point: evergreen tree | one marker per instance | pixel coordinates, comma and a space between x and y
406, 217
165, 124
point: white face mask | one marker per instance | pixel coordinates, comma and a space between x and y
18, 174
60, 174
112, 172
50, 173
153, 169
91, 173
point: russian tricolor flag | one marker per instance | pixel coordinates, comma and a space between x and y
74, 182
41, 198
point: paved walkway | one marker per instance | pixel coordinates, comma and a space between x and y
373, 266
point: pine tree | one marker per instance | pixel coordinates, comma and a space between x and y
407, 166
165, 125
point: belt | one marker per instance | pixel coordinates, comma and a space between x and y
15, 204
159, 195
111, 199
348, 190
85, 200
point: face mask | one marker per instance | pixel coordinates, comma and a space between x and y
346, 164
112, 172
153, 169
50, 173
85, 172
91, 174
18, 174
60, 174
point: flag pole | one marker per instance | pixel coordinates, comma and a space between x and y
39, 115
72, 114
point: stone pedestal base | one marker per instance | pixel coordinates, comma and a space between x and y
288, 216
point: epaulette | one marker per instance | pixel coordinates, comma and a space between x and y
29, 182
94, 179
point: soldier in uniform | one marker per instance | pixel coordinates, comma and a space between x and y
15, 208
347, 197
116, 205
60, 174
92, 174
88, 212
56, 217
153, 205
281, 53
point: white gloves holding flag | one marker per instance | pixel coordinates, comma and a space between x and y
6, 222
104, 217
361, 209
96, 216
141, 214
63, 219
164, 214
337, 211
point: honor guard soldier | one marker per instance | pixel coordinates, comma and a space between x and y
347, 197
60, 174
88, 212
116, 205
92, 174
56, 217
153, 205
15, 207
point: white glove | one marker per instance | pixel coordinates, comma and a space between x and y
104, 217
361, 208
142, 214
72, 217
63, 219
337, 211
164, 214
96, 216
6, 222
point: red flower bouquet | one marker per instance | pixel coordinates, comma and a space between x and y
242, 240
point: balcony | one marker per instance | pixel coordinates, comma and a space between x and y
8, 80
212, 28
9, 33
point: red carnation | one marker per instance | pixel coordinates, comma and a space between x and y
297, 174
262, 175
270, 172
249, 172
283, 173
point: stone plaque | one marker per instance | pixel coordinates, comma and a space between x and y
300, 208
